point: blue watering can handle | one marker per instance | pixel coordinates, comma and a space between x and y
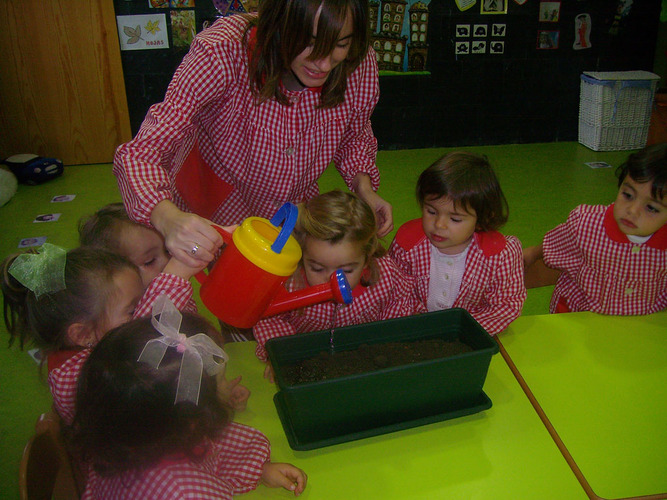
287, 215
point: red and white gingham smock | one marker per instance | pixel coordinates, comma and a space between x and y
242, 158
492, 288
603, 271
390, 297
231, 465
63, 379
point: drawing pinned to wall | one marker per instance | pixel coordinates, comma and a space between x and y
465, 4
182, 4
622, 11
493, 7
497, 47
399, 45
478, 47
462, 30
547, 39
498, 29
549, 12
479, 30
229, 7
182, 27
582, 32
520, 2
142, 32
158, 4
462, 48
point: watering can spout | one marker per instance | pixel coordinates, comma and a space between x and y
337, 289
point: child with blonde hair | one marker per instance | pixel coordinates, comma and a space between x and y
613, 259
454, 252
337, 230
152, 421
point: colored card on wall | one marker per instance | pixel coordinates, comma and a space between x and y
142, 32
182, 27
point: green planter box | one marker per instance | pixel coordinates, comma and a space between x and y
334, 411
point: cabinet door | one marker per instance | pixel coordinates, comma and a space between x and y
61, 80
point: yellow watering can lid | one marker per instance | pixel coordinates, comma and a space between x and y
254, 237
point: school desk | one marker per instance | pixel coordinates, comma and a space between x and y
502, 452
601, 383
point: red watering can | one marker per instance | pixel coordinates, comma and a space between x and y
246, 283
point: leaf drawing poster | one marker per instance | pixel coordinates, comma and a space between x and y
143, 32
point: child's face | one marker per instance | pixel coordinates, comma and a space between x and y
321, 259
126, 291
636, 211
144, 247
315, 73
447, 227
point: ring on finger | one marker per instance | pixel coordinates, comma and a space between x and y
195, 249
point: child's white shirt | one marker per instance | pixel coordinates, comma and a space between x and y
445, 278
639, 240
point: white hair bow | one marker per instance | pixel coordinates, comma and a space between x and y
199, 351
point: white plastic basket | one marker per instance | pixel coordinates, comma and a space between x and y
615, 109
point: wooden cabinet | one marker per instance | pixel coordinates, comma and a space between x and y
61, 80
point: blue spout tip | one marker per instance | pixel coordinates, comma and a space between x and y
344, 286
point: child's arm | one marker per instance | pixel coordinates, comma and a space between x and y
277, 475
506, 290
268, 328
532, 255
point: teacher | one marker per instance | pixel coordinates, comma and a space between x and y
256, 111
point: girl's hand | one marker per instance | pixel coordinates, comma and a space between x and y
268, 373
277, 475
234, 393
382, 209
188, 237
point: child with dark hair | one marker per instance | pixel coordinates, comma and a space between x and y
64, 302
455, 252
613, 259
152, 422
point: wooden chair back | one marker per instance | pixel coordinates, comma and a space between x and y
47, 470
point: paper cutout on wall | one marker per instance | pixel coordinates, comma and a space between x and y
142, 32
582, 32
622, 10
465, 4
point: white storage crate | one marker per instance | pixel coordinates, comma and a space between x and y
615, 109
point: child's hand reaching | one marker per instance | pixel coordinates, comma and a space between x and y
532, 255
268, 373
277, 475
234, 393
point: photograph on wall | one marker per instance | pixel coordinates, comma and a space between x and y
143, 32
493, 7
547, 40
549, 12
182, 27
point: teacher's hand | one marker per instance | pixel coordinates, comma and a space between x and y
381, 207
188, 237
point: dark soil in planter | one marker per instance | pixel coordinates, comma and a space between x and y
368, 358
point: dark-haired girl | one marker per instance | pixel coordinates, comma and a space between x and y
455, 252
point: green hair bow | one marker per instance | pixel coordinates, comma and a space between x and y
42, 272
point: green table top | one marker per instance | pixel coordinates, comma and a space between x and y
503, 452
602, 383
